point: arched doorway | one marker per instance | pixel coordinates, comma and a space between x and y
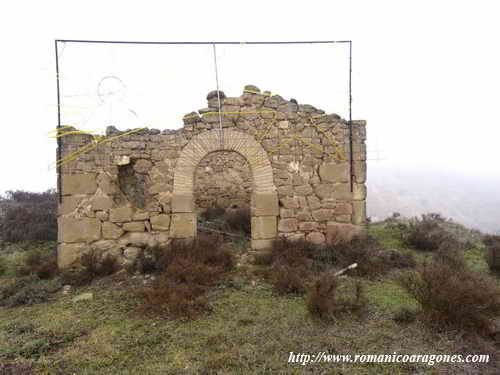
264, 201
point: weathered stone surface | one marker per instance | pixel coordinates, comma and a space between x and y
263, 227
104, 245
183, 225
102, 215
359, 212
138, 216
80, 230
137, 239
286, 190
344, 208
262, 244
287, 225
265, 204
314, 202
359, 192
331, 172
289, 202
303, 190
308, 225
182, 203
342, 192
69, 203
142, 166
343, 218
322, 214
111, 231
160, 222
101, 202
287, 212
82, 183
338, 233
131, 253
121, 214
359, 171
134, 226
324, 191
68, 254
317, 238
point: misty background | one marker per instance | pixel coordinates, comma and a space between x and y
425, 77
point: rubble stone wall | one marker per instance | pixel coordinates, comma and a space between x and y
126, 192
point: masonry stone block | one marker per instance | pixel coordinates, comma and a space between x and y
101, 202
111, 231
316, 238
160, 222
69, 254
338, 232
262, 244
69, 203
121, 214
359, 212
80, 230
287, 225
82, 183
134, 226
265, 204
331, 172
263, 227
182, 203
183, 225
342, 192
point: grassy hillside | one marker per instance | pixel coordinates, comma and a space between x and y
249, 329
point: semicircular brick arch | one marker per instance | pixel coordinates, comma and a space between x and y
264, 197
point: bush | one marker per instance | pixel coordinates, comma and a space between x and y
427, 233
493, 252
98, 266
43, 265
329, 297
212, 213
239, 220
405, 315
27, 291
28, 216
452, 295
186, 273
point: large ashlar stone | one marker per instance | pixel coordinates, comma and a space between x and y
111, 231
134, 226
359, 192
308, 225
331, 172
182, 203
337, 233
121, 214
314, 202
342, 192
359, 212
142, 166
68, 254
160, 222
343, 208
287, 225
106, 184
316, 238
79, 230
262, 244
359, 171
138, 239
104, 245
263, 227
69, 203
265, 204
289, 202
303, 190
183, 225
82, 183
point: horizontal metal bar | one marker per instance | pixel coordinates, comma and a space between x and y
187, 43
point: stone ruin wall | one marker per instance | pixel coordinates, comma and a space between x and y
130, 192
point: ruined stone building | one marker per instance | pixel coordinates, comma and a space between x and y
291, 163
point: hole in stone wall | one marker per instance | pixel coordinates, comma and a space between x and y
132, 184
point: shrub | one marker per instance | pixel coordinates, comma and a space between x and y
187, 271
239, 220
290, 280
98, 266
493, 252
36, 262
27, 291
28, 216
405, 315
329, 297
17, 367
212, 213
452, 295
427, 233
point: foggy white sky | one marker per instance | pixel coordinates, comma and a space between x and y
425, 74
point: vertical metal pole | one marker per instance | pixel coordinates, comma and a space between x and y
218, 98
59, 177
350, 118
